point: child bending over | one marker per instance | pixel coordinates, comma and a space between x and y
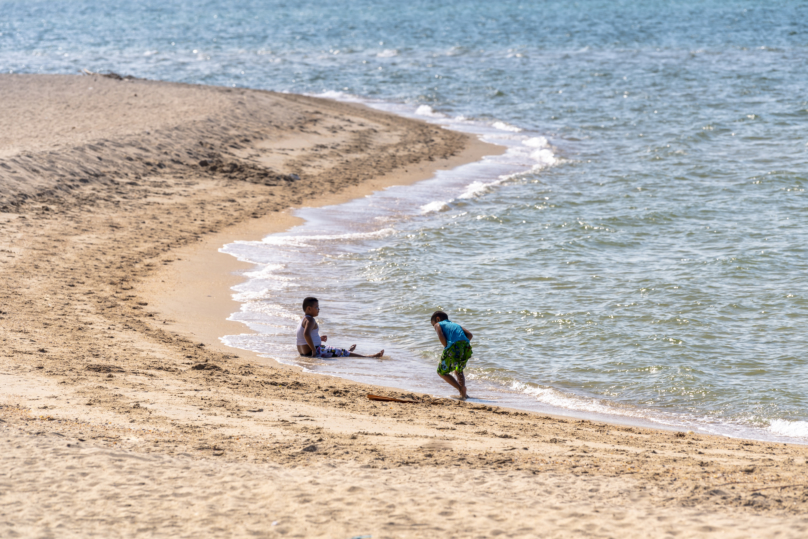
456, 351
309, 342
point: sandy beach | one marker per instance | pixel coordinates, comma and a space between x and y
123, 415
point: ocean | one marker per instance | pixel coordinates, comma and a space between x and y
637, 255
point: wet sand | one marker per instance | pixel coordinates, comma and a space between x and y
122, 414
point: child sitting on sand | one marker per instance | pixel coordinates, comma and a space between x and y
309, 342
456, 351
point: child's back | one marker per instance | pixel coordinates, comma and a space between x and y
453, 333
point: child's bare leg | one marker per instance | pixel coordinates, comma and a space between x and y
461, 381
377, 354
451, 381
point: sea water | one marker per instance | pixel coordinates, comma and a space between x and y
637, 254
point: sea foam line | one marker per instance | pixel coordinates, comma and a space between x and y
541, 153
792, 429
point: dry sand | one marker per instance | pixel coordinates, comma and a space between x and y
122, 415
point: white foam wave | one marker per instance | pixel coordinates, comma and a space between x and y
332, 94
536, 142
271, 312
387, 53
338, 96
241, 256
795, 429
249, 296
302, 241
426, 110
267, 271
263, 347
502, 126
542, 153
437, 205
544, 158
562, 400
559, 399
478, 188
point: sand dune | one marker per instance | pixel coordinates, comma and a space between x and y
122, 415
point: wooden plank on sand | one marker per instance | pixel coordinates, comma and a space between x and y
390, 399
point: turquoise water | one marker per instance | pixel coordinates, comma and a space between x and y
639, 252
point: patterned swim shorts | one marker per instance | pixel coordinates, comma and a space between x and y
455, 358
328, 351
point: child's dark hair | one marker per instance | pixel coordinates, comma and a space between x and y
309, 302
440, 315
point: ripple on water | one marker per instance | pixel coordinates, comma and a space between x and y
649, 211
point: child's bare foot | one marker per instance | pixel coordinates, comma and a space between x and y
379, 354
352, 348
464, 393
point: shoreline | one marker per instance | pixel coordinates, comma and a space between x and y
205, 267
119, 419
180, 291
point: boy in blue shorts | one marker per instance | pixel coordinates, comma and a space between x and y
456, 351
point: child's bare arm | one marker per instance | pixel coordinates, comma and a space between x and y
441, 336
469, 336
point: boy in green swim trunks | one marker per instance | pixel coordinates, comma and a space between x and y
456, 351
